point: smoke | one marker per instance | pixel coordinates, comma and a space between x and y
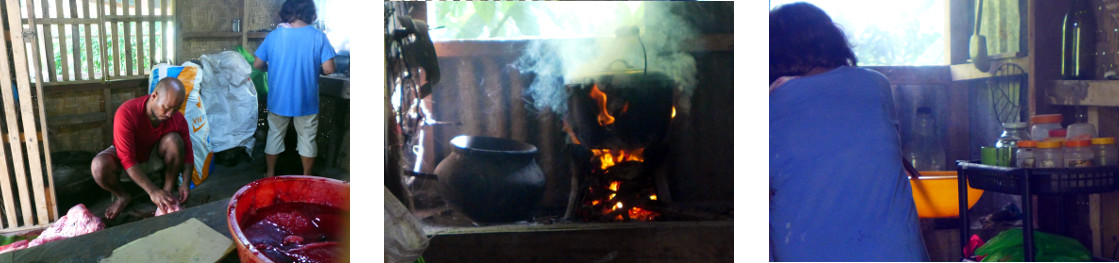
666, 37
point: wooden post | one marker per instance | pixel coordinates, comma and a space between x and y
116, 41
48, 43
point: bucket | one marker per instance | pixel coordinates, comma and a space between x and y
936, 194
281, 189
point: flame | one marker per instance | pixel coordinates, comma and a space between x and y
614, 187
653, 197
673, 112
636, 213
607, 158
619, 206
611, 196
594, 202
625, 107
604, 117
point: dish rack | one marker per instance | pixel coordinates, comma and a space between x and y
1027, 182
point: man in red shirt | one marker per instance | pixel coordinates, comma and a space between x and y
149, 125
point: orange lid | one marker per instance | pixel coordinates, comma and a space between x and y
1104, 140
1046, 118
1030, 144
1049, 144
1078, 143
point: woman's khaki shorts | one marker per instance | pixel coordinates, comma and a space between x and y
307, 127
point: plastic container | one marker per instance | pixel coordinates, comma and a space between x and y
1007, 144
936, 194
1081, 130
280, 189
1078, 153
1042, 124
1105, 151
1049, 155
1026, 155
1057, 134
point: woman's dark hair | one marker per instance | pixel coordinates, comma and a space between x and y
298, 9
802, 37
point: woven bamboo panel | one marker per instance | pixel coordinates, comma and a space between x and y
262, 14
81, 137
208, 15
194, 48
73, 102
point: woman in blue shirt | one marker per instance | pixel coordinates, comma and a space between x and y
294, 57
838, 191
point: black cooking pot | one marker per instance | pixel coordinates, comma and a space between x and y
640, 104
491, 180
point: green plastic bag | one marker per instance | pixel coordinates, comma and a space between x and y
1007, 246
259, 77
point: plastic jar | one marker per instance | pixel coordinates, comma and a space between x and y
1042, 124
1026, 156
1057, 134
1105, 151
1079, 153
1049, 155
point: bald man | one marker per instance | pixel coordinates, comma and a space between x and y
147, 131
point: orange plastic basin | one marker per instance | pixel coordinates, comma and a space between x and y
936, 194
281, 189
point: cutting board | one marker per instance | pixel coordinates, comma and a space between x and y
191, 241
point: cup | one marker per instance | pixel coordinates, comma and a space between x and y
988, 155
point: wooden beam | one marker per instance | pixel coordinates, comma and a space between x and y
48, 43
618, 242
31, 120
34, 61
76, 119
116, 41
914, 75
969, 72
462, 48
1083, 93
11, 115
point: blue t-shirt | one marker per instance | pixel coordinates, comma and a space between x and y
295, 57
838, 191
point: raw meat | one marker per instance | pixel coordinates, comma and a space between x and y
174, 208
78, 221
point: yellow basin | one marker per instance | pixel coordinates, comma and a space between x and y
936, 194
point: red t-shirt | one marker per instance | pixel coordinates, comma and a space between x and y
134, 136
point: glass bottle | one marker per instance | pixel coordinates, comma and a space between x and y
926, 152
1007, 144
1078, 41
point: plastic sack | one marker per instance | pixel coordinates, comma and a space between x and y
194, 111
404, 239
1007, 246
259, 77
230, 101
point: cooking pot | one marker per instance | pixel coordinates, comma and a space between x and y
490, 180
639, 102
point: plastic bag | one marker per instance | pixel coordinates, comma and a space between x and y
195, 113
259, 77
404, 239
1007, 246
230, 101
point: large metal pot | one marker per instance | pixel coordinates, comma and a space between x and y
491, 180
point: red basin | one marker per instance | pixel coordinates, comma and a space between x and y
281, 189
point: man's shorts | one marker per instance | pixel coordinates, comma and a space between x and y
306, 126
151, 167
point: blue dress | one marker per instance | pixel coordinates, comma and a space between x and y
838, 191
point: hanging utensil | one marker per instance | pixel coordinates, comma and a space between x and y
979, 43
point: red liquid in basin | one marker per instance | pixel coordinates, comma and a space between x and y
291, 219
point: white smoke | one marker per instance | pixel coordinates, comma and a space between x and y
665, 35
